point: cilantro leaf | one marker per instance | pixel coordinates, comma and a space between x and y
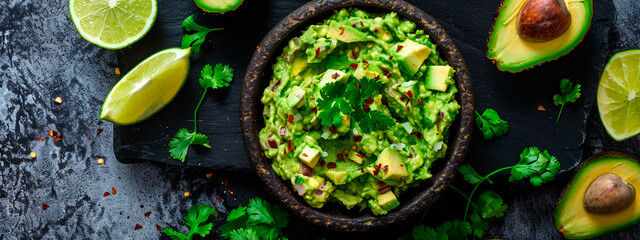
470, 174
196, 39
568, 93
448, 230
479, 226
370, 87
332, 104
299, 180
538, 165
217, 77
338, 61
490, 205
490, 124
422, 232
195, 218
259, 217
179, 145
244, 234
376, 120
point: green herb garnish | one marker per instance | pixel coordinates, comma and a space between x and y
196, 39
258, 220
568, 93
196, 216
210, 77
490, 124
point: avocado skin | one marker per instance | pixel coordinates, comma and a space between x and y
603, 156
205, 8
521, 67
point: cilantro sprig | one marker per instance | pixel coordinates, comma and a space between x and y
195, 219
490, 124
346, 99
196, 39
568, 93
210, 78
258, 220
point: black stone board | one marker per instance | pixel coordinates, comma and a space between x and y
514, 96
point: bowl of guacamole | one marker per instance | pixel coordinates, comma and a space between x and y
358, 115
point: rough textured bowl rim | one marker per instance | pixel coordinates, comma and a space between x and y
271, 47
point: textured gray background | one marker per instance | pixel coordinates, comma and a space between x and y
42, 57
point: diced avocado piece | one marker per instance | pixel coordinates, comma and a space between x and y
337, 177
437, 78
386, 199
332, 75
365, 73
391, 165
345, 33
407, 127
380, 30
296, 97
310, 156
219, 7
321, 49
299, 64
409, 89
313, 183
356, 157
410, 55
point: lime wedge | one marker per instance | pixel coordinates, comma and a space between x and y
147, 88
619, 95
113, 24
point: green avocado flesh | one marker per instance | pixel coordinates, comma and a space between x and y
571, 218
218, 6
343, 163
513, 54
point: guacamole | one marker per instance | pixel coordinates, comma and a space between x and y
357, 110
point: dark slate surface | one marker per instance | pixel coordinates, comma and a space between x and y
41, 57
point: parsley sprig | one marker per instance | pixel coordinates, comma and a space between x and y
568, 93
346, 99
196, 39
258, 220
195, 218
210, 77
490, 124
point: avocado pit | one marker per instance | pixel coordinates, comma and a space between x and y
608, 194
543, 20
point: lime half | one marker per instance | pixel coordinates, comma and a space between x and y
113, 24
147, 88
619, 95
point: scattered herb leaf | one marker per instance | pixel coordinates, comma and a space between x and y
195, 218
490, 124
258, 218
568, 93
538, 165
196, 39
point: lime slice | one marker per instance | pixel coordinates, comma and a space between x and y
113, 24
619, 95
147, 88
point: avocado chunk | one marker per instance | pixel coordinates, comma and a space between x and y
437, 78
385, 200
310, 156
409, 89
332, 75
410, 55
296, 97
356, 157
299, 64
389, 165
216, 6
596, 202
337, 177
513, 53
345, 33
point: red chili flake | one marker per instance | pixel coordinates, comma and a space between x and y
366, 108
388, 74
410, 94
273, 87
289, 146
368, 100
419, 100
399, 48
358, 85
315, 110
233, 194
158, 227
385, 169
318, 192
361, 24
284, 151
375, 31
379, 182
410, 155
113, 190
332, 129
335, 76
390, 57
418, 135
438, 128
362, 170
321, 163
138, 226
106, 194
88, 138
384, 102
272, 144
341, 30
225, 182
376, 169
541, 108
147, 213
357, 138
331, 165
45, 206
290, 118
283, 131
317, 52
305, 155
286, 58
219, 199
52, 133
365, 62
354, 25
41, 139
377, 77
99, 131
401, 165
402, 99
359, 155
340, 156
353, 65
354, 57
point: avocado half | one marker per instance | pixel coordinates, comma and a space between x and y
218, 6
511, 53
571, 218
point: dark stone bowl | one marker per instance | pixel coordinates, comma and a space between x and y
334, 216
